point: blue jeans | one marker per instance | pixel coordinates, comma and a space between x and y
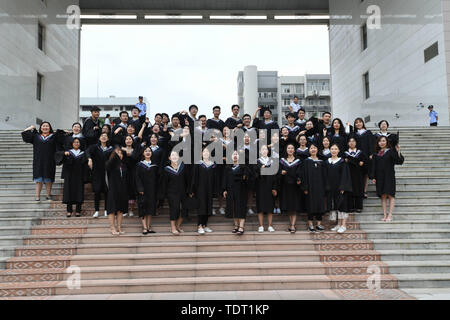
43, 180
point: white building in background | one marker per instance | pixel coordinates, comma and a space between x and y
112, 106
39, 64
268, 89
386, 72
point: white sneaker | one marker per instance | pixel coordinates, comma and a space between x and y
250, 212
336, 228
131, 214
201, 231
125, 214
95, 214
261, 229
106, 213
274, 210
342, 229
208, 230
222, 211
214, 212
271, 229
278, 211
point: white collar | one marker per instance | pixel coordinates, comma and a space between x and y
334, 161
313, 159
299, 148
265, 161
79, 135
148, 164
361, 131
209, 164
76, 153
326, 151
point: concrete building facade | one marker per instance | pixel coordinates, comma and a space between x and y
39, 64
384, 69
386, 57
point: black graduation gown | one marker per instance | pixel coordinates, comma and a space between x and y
338, 179
119, 138
215, 124
146, 178
44, 149
263, 186
235, 184
270, 126
356, 171
383, 170
99, 158
323, 156
283, 144
315, 182
289, 190
203, 185
90, 133
138, 123
293, 132
301, 124
232, 123
302, 154
313, 136
74, 173
130, 162
117, 185
392, 138
341, 140
68, 140
174, 187
365, 142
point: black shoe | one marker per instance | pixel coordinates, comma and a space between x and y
145, 232
320, 228
235, 230
311, 229
150, 231
358, 210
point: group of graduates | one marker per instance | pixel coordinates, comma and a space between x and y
313, 166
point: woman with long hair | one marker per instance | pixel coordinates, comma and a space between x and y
44, 143
147, 177
339, 187
174, 187
203, 188
383, 173
365, 141
314, 185
356, 160
117, 202
235, 191
97, 156
74, 173
290, 175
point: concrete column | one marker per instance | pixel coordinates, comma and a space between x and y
250, 89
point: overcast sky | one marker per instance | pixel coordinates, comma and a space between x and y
176, 66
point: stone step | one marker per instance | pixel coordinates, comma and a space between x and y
407, 224
422, 200
401, 216
400, 233
190, 270
207, 257
11, 241
18, 221
189, 284
192, 246
14, 230
421, 280
411, 244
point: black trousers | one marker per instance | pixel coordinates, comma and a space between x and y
434, 124
97, 200
354, 203
202, 220
77, 209
311, 216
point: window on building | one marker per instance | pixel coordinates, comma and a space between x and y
431, 52
39, 83
364, 36
286, 89
41, 36
322, 102
366, 85
287, 102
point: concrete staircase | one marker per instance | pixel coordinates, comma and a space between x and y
411, 252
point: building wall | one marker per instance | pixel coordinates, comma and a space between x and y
399, 77
21, 60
